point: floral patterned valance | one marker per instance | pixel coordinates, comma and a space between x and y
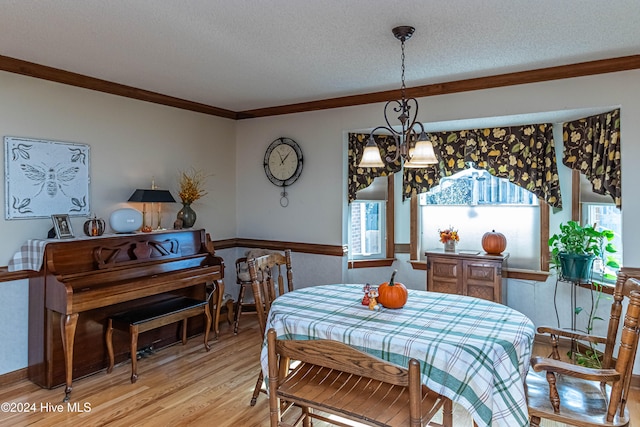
525, 155
360, 178
592, 146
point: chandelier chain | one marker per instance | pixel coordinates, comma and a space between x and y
403, 87
411, 142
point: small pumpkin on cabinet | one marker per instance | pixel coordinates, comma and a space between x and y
392, 294
494, 243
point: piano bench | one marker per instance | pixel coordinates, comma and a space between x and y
148, 317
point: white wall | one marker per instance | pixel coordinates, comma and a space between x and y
131, 143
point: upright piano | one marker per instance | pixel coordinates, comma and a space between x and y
83, 281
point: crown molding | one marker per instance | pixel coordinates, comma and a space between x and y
603, 66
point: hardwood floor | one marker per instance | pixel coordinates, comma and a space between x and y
177, 386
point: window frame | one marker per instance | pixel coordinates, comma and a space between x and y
358, 247
539, 275
389, 237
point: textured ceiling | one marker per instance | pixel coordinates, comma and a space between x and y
247, 54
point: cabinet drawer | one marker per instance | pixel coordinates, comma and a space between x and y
479, 272
444, 270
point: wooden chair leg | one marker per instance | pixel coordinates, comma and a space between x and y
230, 313
307, 421
133, 331
109, 340
256, 390
447, 414
238, 310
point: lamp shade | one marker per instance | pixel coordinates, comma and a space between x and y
152, 196
371, 155
421, 155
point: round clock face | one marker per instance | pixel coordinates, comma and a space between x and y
283, 162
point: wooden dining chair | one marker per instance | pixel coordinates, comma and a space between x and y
268, 281
337, 379
243, 280
577, 395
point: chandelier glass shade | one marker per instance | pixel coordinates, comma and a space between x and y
412, 142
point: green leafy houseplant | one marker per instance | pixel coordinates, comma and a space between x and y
575, 239
573, 245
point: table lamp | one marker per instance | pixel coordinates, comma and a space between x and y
151, 196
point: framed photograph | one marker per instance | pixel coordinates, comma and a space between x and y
62, 225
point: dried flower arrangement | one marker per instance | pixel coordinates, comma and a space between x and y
191, 186
449, 234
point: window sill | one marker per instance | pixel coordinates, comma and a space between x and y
516, 273
418, 265
366, 263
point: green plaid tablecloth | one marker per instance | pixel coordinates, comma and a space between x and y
473, 351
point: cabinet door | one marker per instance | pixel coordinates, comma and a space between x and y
482, 280
443, 276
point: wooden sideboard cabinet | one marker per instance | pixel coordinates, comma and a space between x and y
474, 274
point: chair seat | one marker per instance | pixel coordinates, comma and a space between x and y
244, 278
354, 397
589, 406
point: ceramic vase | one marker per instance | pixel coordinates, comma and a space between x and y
187, 215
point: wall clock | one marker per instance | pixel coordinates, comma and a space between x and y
283, 165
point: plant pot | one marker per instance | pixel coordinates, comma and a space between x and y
576, 268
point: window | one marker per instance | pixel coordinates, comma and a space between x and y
367, 229
477, 187
474, 202
370, 225
605, 216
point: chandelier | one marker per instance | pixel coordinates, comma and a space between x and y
411, 141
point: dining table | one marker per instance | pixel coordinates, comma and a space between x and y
473, 351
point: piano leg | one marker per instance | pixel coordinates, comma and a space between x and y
218, 295
206, 328
133, 332
68, 325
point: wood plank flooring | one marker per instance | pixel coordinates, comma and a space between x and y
177, 386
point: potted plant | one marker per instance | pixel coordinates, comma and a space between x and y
573, 251
575, 247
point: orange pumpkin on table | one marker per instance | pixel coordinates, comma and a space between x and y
392, 294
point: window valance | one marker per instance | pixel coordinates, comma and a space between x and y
525, 155
360, 178
592, 146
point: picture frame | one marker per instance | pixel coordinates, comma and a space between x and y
44, 177
62, 225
